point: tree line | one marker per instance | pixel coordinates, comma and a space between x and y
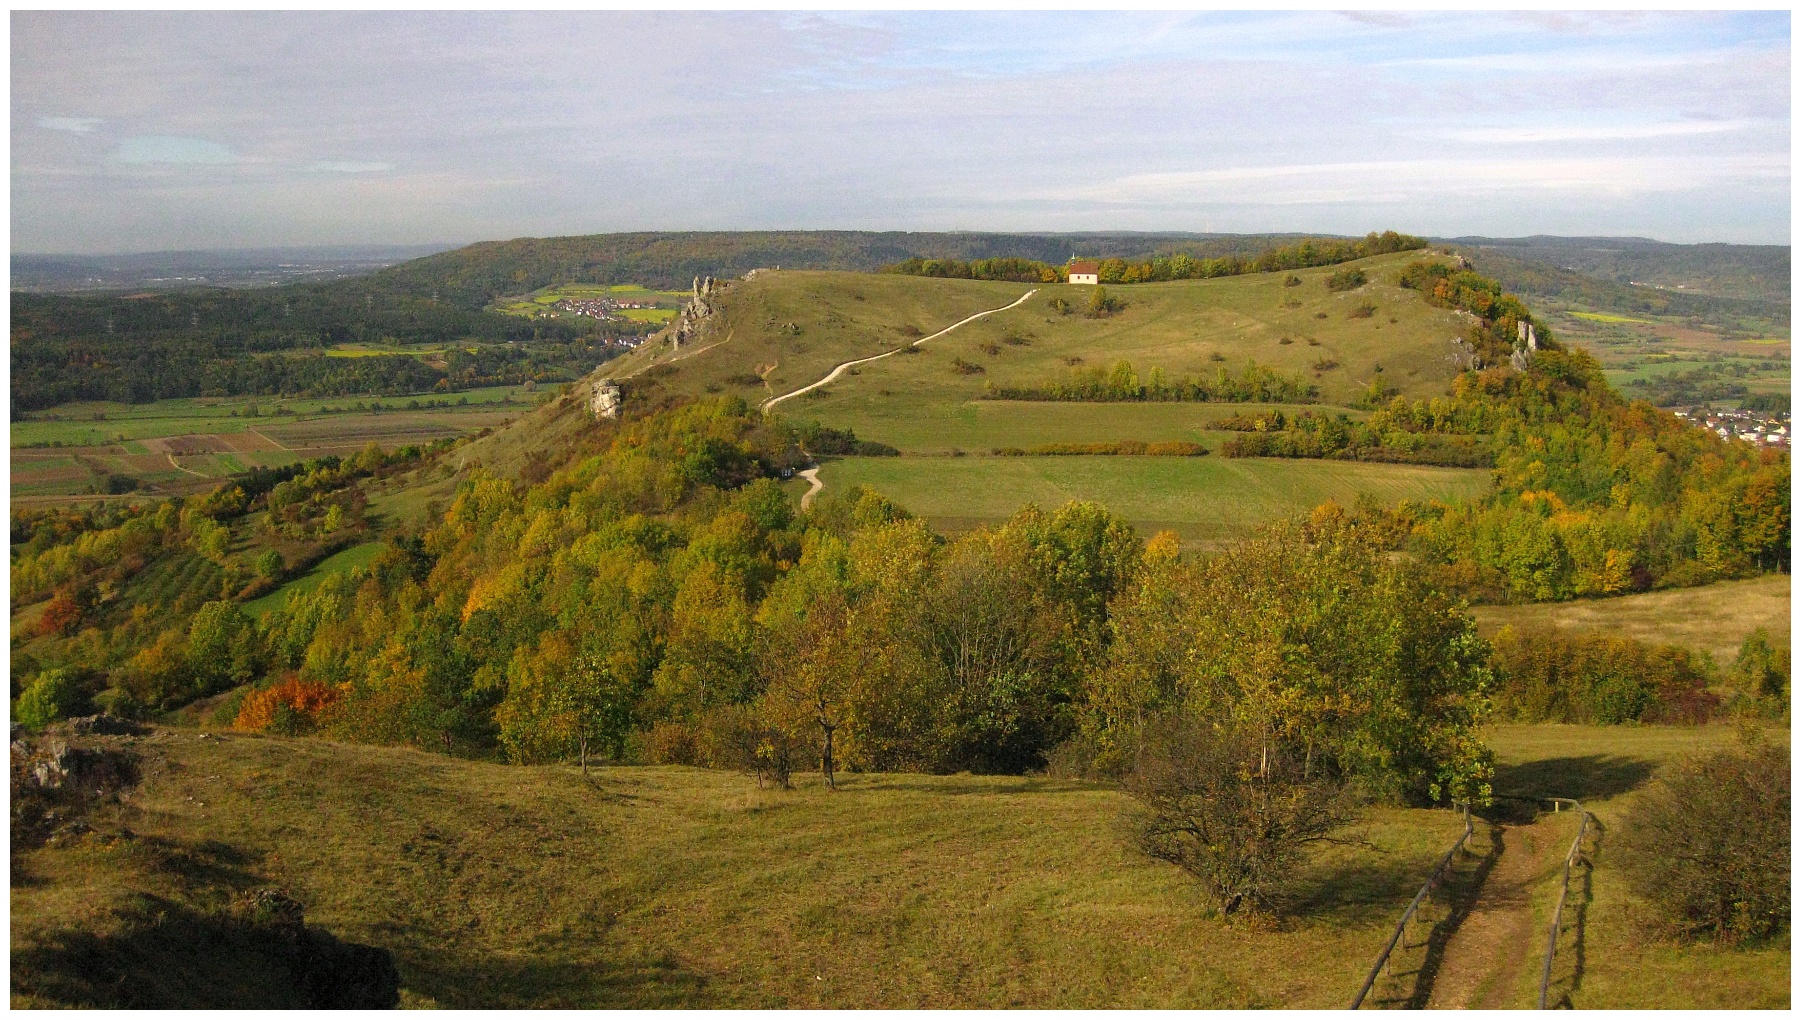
1121, 383
661, 600
1177, 265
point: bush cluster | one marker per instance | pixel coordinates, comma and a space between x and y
1547, 674
1708, 845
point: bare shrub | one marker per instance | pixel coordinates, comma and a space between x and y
1231, 807
740, 737
1708, 845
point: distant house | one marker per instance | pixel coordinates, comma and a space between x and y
1085, 272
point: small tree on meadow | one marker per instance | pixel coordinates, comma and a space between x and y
812, 671
1231, 807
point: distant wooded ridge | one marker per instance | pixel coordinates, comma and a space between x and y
475, 274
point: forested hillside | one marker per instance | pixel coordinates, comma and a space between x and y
1540, 279
1746, 272
472, 276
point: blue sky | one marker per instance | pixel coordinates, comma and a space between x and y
146, 131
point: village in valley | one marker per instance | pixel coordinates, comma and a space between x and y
1768, 428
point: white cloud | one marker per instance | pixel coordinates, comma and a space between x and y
339, 166
1595, 132
252, 129
1423, 180
173, 149
77, 125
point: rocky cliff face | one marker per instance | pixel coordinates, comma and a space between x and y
696, 315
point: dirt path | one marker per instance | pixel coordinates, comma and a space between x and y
836, 372
1485, 957
177, 466
270, 441
811, 475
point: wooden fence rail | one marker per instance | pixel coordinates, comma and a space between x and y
1569, 861
1407, 915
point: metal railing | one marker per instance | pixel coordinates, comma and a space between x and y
1407, 915
1569, 861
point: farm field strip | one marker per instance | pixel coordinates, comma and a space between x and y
1202, 499
192, 446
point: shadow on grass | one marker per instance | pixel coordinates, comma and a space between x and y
207, 863
983, 786
1582, 893
163, 955
457, 980
1459, 891
1354, 893
1584, 777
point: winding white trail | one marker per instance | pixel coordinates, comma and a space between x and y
836, 372
811, 475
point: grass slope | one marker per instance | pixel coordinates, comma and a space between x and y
510, 886
341, 562
1203, 499
803, 323
781, 331
1714, 618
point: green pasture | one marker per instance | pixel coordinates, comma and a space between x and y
99, 422
375, 350
1609, 318
929, 420
647, 314
340, 562
1203, 499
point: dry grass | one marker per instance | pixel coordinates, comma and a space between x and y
502, 886
506, 886
1714, 618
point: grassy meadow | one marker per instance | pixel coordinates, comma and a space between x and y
642, 887
791, 328
1203, 499
785, 330
1713, 618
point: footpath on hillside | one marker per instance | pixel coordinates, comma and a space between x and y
1485, 957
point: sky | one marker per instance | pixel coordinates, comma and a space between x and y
144, 131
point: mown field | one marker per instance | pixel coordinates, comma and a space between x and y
915, 422
1713, 618
188, 445
507, 886
1203, 499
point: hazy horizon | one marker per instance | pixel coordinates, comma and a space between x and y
144, 132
